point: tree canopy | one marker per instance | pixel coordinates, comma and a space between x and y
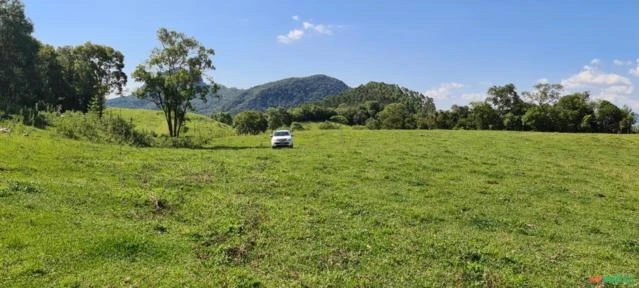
174, 75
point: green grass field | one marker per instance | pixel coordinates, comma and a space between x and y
345, 208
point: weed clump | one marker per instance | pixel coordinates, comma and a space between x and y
21, 187
297, 126
329, 126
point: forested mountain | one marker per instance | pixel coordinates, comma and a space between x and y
383, 94
285, 93
213, 103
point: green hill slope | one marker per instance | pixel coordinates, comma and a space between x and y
345, 208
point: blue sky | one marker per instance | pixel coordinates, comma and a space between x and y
450, 50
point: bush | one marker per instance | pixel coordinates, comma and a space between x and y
394, 116
109, 129
223, 117
297, 126
32, 117
250, 122
339, 119
373, 124
328, 125
277, 117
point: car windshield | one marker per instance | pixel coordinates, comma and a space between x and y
281, 133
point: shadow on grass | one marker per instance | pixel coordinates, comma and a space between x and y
225, 147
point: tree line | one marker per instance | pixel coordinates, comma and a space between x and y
65, 78
543, 109
35, 76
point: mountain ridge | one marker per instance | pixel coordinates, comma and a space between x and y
287, 93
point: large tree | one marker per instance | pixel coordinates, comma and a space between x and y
174, 75
544, 94
508, 105
18, 54
91, 72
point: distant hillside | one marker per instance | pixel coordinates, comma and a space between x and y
384, 94
213, 104
130, 102
286, 93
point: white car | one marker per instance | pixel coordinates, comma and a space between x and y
282, 138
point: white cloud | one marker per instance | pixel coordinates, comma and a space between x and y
444, 90
621, 62
592, 76
606, 86
595, 61
291, 37
307, 25
473, 97
543, 81
299, 33
320, 28
635, 71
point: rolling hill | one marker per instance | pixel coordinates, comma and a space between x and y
286, 93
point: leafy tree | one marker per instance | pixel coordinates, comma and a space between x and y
538, 118
394, 116
482, 116
18, 57
173, 76
91, 72
250, 122
223, 117
570, 111
628, 120
372, 108
544, 94
373, 124
508, 105
311, 112
608, 117
459, 117
53, 85
278, 117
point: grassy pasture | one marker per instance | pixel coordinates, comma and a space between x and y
345, 208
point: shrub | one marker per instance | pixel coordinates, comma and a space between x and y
339, 119
109, 129
297, 126
373, 124
223, 117
328, 125
250, 122
278, 117
394, 116
32, 117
